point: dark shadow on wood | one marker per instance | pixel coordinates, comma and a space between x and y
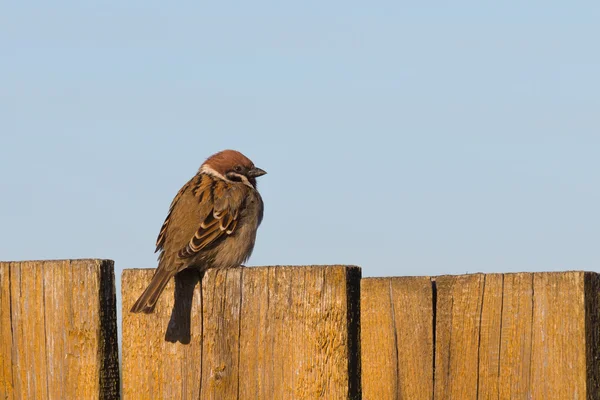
592, 332
353, 277
179, 329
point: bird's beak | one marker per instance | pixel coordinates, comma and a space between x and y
256, 172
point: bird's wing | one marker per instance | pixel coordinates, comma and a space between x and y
221, 221
160, 240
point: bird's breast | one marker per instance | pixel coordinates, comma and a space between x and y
238, 247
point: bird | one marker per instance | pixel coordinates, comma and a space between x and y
211, 223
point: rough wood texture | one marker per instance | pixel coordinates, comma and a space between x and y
397, 338
517, 336
58, 333
268, 333
153, 367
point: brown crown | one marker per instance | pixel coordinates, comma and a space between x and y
225, 160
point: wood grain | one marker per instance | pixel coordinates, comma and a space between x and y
397, 338
295, 333
264, 333
154, 367
58, 325
517, 336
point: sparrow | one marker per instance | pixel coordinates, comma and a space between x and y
212, 222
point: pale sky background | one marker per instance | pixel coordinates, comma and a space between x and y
406, 139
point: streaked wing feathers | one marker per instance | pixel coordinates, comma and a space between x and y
160, 240
221, 222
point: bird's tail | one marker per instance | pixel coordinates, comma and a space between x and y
148, 299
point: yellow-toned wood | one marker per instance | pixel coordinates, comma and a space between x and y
7, 390
457, 336
489, 337
268, 333
397, 338
558, 369
293, 332
58, 325
517, 336
221, 348
154, 368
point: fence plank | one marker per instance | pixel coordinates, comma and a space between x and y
58, 325
489, 336
268, 332
397, 338
517, 336
558, 367
154, 367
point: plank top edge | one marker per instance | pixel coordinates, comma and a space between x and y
70, 260
454, 276
128, 271
385, 278
536, 273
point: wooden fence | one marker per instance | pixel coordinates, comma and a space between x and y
58, 332
298, 333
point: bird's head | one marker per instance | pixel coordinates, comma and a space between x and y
233, 166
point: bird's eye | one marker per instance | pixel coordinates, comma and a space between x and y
237, 168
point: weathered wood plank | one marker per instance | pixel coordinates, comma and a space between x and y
7, 390
457, 335
558, 356
267, 332
397, 338
517, 336
221, 349
59, 335
153, 367
489, 336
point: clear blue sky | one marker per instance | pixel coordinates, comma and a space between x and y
405, 139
